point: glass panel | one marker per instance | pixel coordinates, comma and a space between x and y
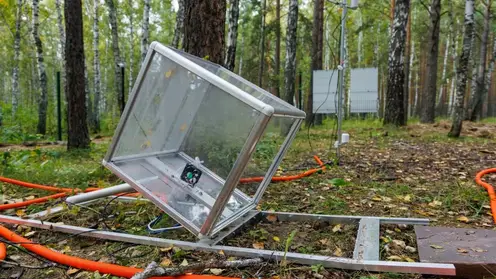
266, 151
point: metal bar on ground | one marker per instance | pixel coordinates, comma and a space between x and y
367, 240
325, 261
104, 192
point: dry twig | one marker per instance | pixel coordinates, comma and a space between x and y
153, 269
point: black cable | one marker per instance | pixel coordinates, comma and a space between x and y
23, 250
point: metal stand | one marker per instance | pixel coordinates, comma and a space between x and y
365, 255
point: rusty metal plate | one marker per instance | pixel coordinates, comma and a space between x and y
472, 251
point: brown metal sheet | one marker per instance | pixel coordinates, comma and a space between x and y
472, 251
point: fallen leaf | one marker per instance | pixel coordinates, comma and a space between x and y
478, 250
29, 198
461, 250
337, 228
258, 245
166, 262
20, 213
168, 74
338, 252
166, 249
184, 263
71, 271
436, 246
216, 271
275, 277
385, 239
463, 219
407, 198
395, 258
31, 233
66, 249
386, 199
276, 239
410, 260
435, 203
377, 198
221, 252
324, 241
272, 218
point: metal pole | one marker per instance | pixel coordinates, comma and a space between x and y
341, 69
59, 110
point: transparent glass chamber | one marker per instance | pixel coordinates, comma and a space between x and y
191, 132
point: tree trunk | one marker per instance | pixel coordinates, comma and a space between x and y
440, 98
277, 55
145, 29
179, 28
131, 48
78, 136
96, 70
262, 45
290, 66
478, 98
317, 46
15, 66
204, 29
87, 95
489, 75
461, 75
232, 36
43, 101
241, 46
428, 106
395, 110
117, 54
407, 65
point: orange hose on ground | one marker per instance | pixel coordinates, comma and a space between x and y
36, 186
489, 188
287, 177
3, 251
33, 201
116, 270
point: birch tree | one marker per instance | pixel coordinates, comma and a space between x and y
290, 66
43, 100
96, 69
179, 27
277, 55
232, 36
462, 71
395, 109
131, 48
262, 44
60, 25
145, 30
117, 55
475, 110
17, 52
78, 136
204, 29
428, 106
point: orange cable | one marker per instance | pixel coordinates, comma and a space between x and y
3, 251
489, 188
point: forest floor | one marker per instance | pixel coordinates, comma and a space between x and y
415, 171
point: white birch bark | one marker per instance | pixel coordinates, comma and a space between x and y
43, 100
290, 65
96, 69
60, 26
461, 82
117, 54
232, 37
17, 52
131, 49
145, 30
179, 28
443, 75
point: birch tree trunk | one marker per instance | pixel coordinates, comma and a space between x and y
232, 35
117, 54
145, 29
60, 25
316, 54
96, 69
78, 136
262, 45
204, 29
407, 65
277, 58
290, 66
43, 101
131, 48
461, 82
428, 106
489, 75
443, 76
241, 46
395, 110
476, 102
15, 66
179, 28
